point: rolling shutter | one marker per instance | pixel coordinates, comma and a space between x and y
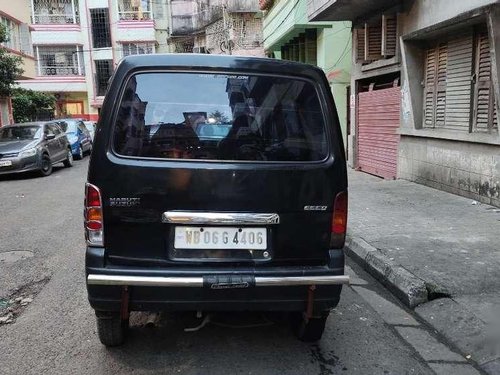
484, 115
458, 86
378, 118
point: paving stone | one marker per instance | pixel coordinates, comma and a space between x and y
453, 368
391, 313
427, 346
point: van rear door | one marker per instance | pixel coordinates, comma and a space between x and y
218, 167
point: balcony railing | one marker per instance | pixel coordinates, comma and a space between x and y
135, 10
55, 12
71, 70
55, 19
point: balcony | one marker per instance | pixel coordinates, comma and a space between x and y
345, 10
59, 61
135, 10
58, 12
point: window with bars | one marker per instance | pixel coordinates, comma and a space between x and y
376, 40
59, 60
101, 36
145, 48
103, 72
55, 11
458, 89
138, 10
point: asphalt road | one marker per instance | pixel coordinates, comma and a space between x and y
42, 255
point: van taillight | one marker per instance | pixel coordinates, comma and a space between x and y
93, 216
339, 221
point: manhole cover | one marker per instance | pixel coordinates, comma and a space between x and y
14, 256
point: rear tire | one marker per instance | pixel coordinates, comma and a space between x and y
111, 329
69, 159
46, 166
310, 330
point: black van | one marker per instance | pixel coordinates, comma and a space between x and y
216, 183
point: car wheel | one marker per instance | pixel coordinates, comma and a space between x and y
309, 330
111, 329
45, 166
79, 155
69, 159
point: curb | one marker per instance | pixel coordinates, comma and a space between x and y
410, 289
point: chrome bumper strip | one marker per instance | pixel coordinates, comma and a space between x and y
219, 218
197, 282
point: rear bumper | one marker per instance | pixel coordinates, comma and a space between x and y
213, 288
199, 282
20, 165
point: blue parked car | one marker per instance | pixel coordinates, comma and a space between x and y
78, 136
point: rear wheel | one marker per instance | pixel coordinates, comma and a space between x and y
308, 330
69, 159
111, 329
45, 166
79, 155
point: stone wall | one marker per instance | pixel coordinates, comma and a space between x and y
465, 168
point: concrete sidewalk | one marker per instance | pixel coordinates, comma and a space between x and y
438, 252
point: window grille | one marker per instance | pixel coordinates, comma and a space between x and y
104, 70
101, 36
13, 34
139, 10
55, 11
60, 60
137, 49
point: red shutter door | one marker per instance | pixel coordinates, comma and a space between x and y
378, 138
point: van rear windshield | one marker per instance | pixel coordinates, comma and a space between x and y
220, 117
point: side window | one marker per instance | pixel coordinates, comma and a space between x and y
56, 129
82, 128
64, 126
49, 130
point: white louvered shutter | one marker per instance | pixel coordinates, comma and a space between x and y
485, 116
458, 87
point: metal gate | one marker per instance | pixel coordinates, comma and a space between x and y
377, 131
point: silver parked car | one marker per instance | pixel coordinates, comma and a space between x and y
33, 146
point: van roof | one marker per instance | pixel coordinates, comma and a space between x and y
215, 62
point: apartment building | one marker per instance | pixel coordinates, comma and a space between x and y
78, 43
15, 15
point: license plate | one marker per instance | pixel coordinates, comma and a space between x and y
220, 238
5, 163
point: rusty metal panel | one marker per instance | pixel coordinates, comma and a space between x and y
377, 131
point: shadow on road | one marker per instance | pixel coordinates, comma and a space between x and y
232, 340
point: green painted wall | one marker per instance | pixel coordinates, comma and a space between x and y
287, 19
